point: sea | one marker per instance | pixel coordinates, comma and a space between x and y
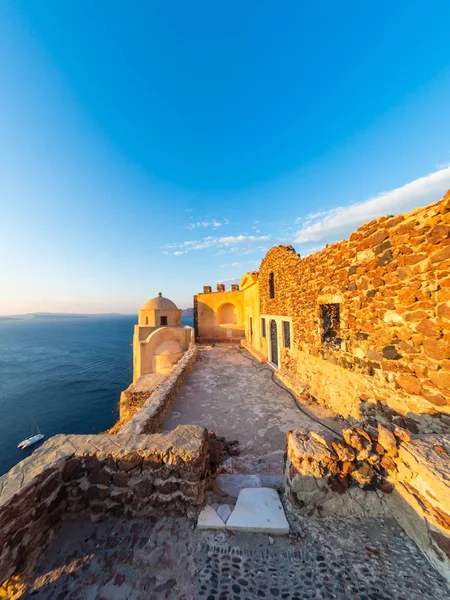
64, 374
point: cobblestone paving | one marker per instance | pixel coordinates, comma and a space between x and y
168, 558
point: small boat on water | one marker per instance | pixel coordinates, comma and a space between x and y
33, 439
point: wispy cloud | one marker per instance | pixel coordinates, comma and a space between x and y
337, 223
214, 223
229, 242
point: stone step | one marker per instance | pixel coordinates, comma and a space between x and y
258, 510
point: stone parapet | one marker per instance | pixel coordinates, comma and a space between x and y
102, 476
421, 503
324, 478
375, 473
149, 418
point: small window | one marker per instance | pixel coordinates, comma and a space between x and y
330, 316
163, 321
146, 320
263, 328
286, 334
272, 285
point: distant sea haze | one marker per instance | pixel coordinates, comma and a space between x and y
66, 373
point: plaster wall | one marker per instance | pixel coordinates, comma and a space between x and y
152, 318
213, 312
174, 341
251, 311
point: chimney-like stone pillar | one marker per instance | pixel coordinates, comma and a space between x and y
206, 289
234, 287
220, 287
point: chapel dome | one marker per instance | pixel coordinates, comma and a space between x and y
160, 303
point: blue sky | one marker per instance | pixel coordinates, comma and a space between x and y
162, 146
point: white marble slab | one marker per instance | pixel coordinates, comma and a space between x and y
209, 519
224, 511
258, 510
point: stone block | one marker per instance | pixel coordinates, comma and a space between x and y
209, 519
258, 510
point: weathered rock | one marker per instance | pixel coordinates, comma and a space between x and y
344, 452
364, 475
385, 487
402, 434
354, 439
386, 438
324, 437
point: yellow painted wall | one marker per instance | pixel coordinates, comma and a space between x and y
152, 318
221, 315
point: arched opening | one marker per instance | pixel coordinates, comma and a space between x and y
227, 314
146, 320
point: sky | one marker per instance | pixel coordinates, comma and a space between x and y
163, 146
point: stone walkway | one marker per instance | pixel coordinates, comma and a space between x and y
231, 394
169, 559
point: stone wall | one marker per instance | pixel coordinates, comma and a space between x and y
326, 475
100, 476
388, 353
421, 502
149, 418
375, 473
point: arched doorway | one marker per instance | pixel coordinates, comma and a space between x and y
273, 343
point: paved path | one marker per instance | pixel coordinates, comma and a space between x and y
167, 559
231, 394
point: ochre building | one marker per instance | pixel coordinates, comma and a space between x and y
160, 339
362, 326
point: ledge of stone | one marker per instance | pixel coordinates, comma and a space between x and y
126, 475
152, 413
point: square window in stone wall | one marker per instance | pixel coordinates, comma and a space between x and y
263, 328
286, 334
330, 317
163, 321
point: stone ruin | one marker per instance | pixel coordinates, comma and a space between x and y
367, 334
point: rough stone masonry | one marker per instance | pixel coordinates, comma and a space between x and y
386, 351
101, 476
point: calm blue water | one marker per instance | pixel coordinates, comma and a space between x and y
65, 373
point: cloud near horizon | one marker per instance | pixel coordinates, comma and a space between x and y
337, 223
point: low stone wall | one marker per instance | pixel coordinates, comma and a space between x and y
325, 476
421, 502
131, 402
375, 473
100, 476
150, 417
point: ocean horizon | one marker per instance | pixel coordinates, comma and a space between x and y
66, 374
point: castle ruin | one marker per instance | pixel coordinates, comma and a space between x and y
344, 356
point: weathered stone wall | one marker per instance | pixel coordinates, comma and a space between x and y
374, 473
327, 475
391, 352
100, 476
421, 502
149, 418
